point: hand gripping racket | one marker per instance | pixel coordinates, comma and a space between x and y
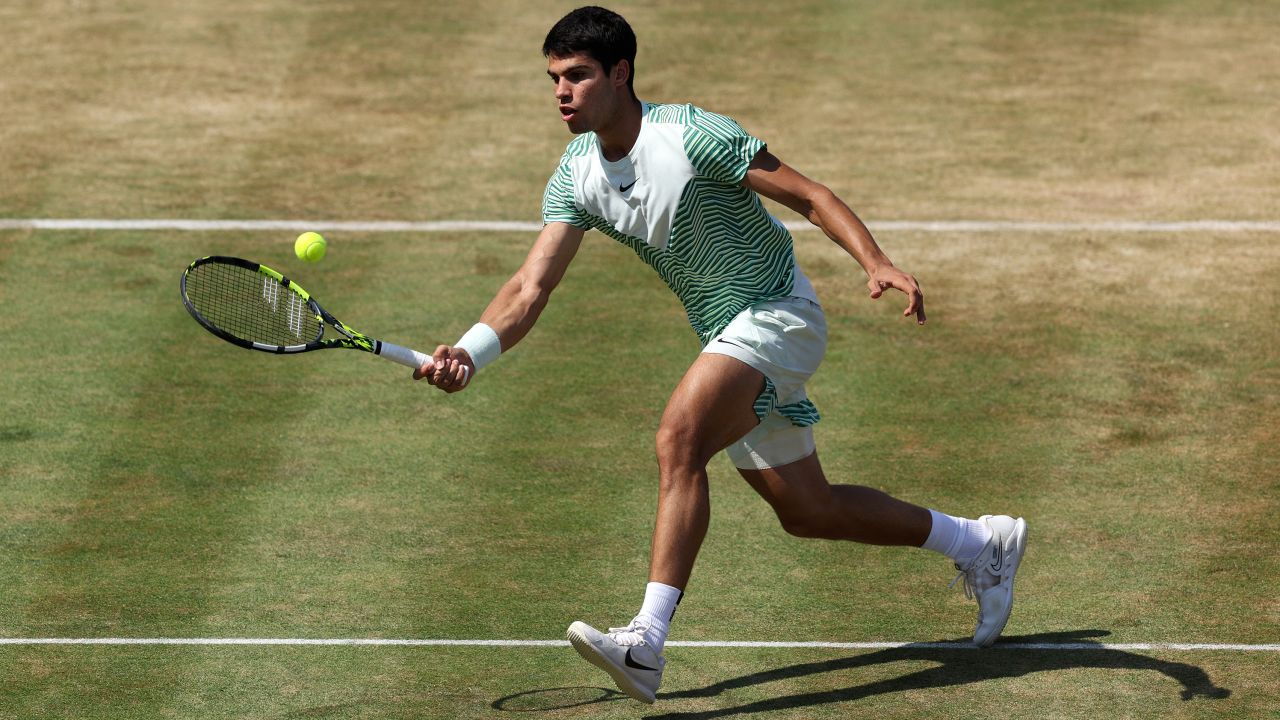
255, 307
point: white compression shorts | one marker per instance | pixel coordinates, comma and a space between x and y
785, 340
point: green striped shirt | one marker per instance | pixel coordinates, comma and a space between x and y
677, 200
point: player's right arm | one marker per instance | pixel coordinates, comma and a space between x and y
516, 307
521, 299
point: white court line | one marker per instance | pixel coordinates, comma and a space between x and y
378, 226
372, 226
379, 642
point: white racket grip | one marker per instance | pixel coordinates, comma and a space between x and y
412, 358
405, 356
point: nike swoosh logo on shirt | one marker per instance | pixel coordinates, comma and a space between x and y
624, 188
632, 663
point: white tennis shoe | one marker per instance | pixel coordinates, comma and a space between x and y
624, 654
989, 576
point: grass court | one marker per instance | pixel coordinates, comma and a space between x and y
1119, 389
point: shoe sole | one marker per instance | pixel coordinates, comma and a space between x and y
579, 641
1020, 545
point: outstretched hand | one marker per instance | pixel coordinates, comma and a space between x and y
888, 276
450, 370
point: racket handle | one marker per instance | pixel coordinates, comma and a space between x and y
403, 355
412, 358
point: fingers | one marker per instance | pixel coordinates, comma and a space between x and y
876, 287
429, 370
916, 307
450, 369
425, 370
452, 376
907, 284
915, 302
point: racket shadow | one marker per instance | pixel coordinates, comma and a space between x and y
561, 698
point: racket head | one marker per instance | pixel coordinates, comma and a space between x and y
250, 305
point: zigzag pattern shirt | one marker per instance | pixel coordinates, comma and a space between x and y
677, 201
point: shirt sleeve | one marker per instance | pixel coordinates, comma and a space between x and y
718, 147
557, 201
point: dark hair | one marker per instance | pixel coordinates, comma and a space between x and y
602, 34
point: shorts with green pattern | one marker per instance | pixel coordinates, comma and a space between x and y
785, 340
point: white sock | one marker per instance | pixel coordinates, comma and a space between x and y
958, 538
659, 607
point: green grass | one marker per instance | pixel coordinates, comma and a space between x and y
389, 682
1120, 391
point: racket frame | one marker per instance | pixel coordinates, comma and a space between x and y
348, 338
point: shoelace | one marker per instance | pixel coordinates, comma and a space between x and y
630, 636
970, 578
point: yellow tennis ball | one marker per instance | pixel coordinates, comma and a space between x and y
310, 247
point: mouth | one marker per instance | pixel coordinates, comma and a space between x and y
567, 113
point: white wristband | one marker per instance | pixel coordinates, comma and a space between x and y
482, 344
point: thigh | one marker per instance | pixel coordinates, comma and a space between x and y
776, 441
784, 339
793, 486
713, 405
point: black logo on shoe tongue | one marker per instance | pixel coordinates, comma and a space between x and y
632, 663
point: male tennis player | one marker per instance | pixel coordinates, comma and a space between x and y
680, 186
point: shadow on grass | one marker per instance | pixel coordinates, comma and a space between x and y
955, 666
560, 698
959, 665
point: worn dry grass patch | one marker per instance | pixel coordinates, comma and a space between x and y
396, 110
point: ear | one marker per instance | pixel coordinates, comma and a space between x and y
621, 72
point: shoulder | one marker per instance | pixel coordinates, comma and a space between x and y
577, 151
698, 121
580, 145
693, 117
698, 124
690, 115
715, 124
669, 113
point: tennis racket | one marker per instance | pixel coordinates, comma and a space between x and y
255, 307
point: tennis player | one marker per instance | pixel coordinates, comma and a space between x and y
681, 187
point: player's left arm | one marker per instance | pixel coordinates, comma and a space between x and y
774, 179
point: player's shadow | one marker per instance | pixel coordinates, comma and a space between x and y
952, 666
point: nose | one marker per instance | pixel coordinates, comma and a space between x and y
563, 92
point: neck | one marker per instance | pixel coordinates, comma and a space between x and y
619, 135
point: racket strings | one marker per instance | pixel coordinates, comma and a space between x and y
251, 306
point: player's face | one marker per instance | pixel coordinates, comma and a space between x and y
587, 96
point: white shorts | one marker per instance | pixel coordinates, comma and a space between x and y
785, 340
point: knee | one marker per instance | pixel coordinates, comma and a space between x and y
681, 464
677, 447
